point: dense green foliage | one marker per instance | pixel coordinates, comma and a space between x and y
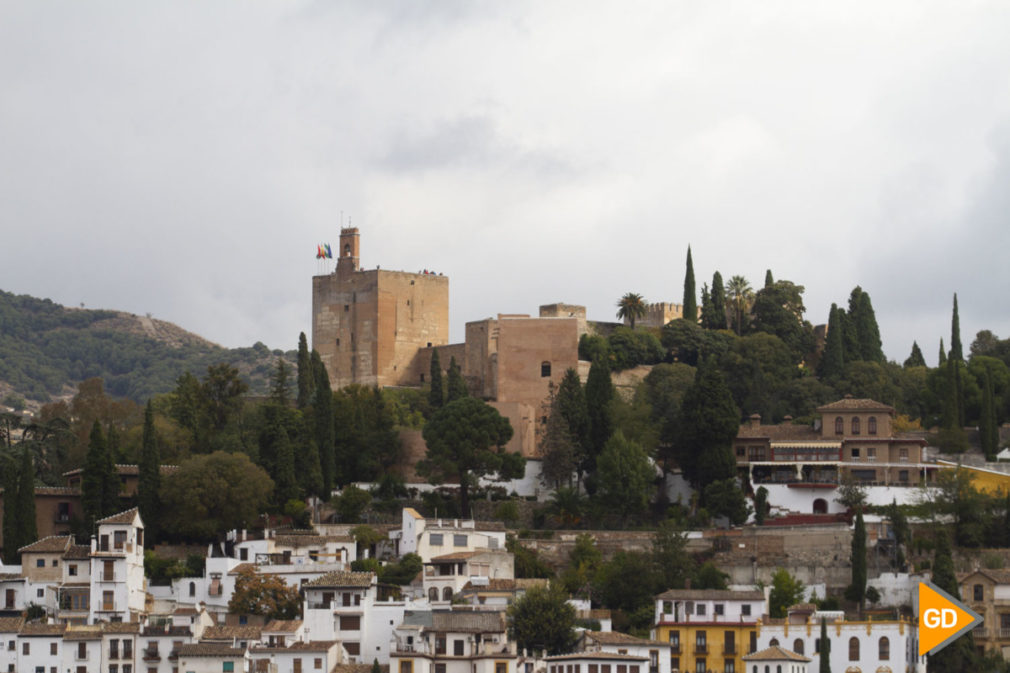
44, 347
631, 307
786, 592
542, 621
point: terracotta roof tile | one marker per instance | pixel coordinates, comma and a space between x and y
854, 404
776, 653
11, 624
618, 638
51, 544
468, 622
209, 650
283, 625
342, 578
121, 517
232, 633
92, 632
78, 552
29, 630
710, 595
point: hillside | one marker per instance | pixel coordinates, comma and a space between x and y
46, 349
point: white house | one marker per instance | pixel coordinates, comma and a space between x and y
117, 569
656, 653
297, 657
212, 658
446, 575
436, 537
775, 660
596, 662
452, 642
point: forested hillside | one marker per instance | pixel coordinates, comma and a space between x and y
47, 349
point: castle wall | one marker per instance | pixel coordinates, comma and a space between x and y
566, 311
658, 314
532, 353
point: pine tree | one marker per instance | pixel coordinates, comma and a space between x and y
690, 303
436, 395
718, 302
857, 590
832, 362
915, 359
456, 386
599, 394
988, 432
306, 379
322, 412
961, 654
24, 504
149, 484
956, 351
824, 653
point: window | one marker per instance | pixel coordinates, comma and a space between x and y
347, 307
192, 588
699, 666
317, 663
108, 602
40, 593
798, 646
720, 609
700, 641
119, 539
127, 649
435, 539
52, 648
839, 426
350, 623
741, 452
459, 540
243, 554
447, 594
229, 666
855, 454
113, 668
903, 475
114, 649
40, 563
406, 666
25, 649
745, 609
457, 648
72, 569
545, 369
884, 649
871, 425
667, 607
82, 651
675, 640
903, 454
871, 453
855, 425
977, 593
729, 666
700, 609
774, 642
853, 649
501, 667
55, 563
674, 663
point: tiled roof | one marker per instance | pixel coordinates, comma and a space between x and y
781, 432
232, 633
42, 630
618, 638
853, 404
8, 577
609, 656
78, 552
997, 576
51, 544
300, 646
11, 624
208, 650
92, 632
468, 622
122, 517
120, 627
710, 595
242, 567
455, 556
64, 491
283, 625
342, 578
776, 653
309, 540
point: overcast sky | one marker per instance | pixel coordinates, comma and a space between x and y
185, 158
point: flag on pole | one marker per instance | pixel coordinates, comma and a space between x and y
329, 253
319, 252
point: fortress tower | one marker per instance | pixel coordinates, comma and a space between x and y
369, 326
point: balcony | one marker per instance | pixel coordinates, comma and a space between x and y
1004, 634
108, 577
729, 649
150, 655
700, 648
674, 648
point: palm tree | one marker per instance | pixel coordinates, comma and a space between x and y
740, 294
631, 307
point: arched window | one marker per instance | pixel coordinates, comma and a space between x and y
839, 426
347, 250
871, 425
884, 649
447, 594
774, 642
855, 425
798, 646
853, 649
433, 594
820, 506
545, 369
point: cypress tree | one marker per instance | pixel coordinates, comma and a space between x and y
706, 307
306, 379
857, 590
148, 499
832, 362
868, 331
769, 280
110, 478
961, 654
709, 421
915, 359
285, 483
956, 352
690, 303
436, 395
988, 432
456, 386
943, 356
824, 651
599, 393
719, 302
24, 505
571, 406
322, 412
10, 523
93, 476
280, 388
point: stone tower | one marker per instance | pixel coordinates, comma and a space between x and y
368, 326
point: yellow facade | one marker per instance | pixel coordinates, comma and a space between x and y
716, 647
985, 480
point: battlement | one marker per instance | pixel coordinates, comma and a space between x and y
658, 314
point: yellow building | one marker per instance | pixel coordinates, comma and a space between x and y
708, 629
983, 478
